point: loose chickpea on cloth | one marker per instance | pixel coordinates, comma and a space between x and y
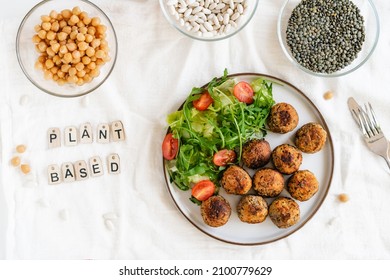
72, 46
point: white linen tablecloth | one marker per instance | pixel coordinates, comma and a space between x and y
156, 68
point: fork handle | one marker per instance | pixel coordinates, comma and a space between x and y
387, 161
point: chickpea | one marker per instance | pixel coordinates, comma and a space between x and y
65, 68
72, 71
67, 57
54, 69
42, 34
87, 78
80, 24
62, 23
42, 46
66, 14
92, 65
87, 20
81, 73
42, 58
25, 168
100, 54
55, 47
73, 20
94, 73
67, 29
95, 43
88, 38
50, 52
15, 161
101, 29
62, 36
55, 77
83, 46
55, 26
90, 51
71, 47
79, 66
36, 39
73, 35
37, 28
48, 75
38, 65
21, 148
72, 79
91, 30
45, 18
53, 14
49, 63
76, 54
80, 37
56, 59
61, 82
60, 74
76, 11
63, 49
95, 21
86, 60
50, 35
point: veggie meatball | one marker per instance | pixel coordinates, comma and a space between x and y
215, 211
302, 185
310, 138
268, 182
286, 158
256, 153
283, 118
236, 180
252, 209
284, 212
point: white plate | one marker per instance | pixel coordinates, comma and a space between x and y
320, 163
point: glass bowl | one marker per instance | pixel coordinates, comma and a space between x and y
371, 26
177, 22
27, 54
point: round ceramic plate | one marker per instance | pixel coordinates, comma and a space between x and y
320, 163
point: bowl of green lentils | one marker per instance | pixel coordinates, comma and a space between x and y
328, 38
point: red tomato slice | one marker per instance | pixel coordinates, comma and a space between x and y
204, 101
170, 146
223, 157
243, 92
203, 190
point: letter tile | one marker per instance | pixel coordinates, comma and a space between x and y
54, 137
68, 173
54, 174
103, 133
70, 136
117, 131
86, 135
81, 170
114, 166
95, 166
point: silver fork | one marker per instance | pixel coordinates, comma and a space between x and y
369, 126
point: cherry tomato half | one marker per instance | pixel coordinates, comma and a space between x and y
170, 146
203, 190
243, 92
223, 157
204, 101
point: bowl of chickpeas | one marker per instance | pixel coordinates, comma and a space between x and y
66, 48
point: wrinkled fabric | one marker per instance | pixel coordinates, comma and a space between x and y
131, 215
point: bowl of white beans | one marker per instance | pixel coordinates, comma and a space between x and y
66, 48
209, 20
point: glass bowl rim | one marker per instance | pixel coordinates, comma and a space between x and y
337, 73
22, 66
205, 39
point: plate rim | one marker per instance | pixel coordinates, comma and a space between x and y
321, 201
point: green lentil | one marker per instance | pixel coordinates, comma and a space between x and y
325, 36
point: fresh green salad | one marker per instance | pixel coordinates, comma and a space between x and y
222, 116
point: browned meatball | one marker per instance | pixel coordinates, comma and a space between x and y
215, 211
256, 153
284, 212
268, 182
283, 118
235, 180
252, 209
302, 185
310, 138
286, 158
